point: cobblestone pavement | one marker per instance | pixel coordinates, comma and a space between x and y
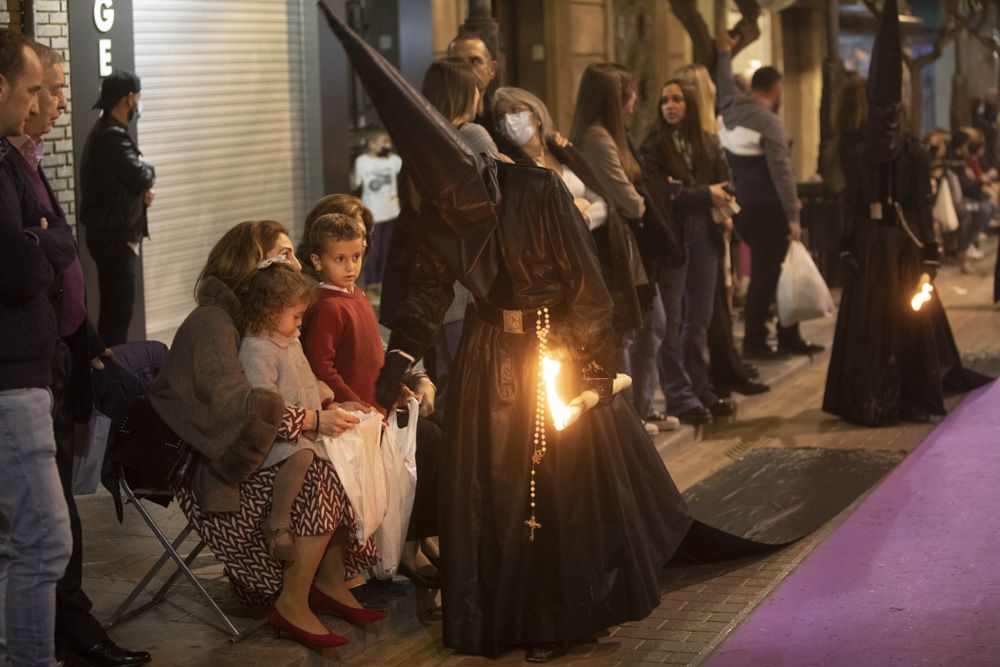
700, 605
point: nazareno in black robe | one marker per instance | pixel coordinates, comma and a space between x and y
611, 516
890, 363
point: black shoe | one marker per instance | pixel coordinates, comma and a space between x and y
546, 652
751, 371
764, 353
695, 416
419, 578
722, 408
801, 347
723, 390
750, 388
376, 594
109, 654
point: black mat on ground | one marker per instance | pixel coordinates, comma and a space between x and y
774, 495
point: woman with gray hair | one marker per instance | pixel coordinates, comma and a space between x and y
525, 122
523, 119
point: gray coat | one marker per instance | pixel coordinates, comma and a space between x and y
204, 396
278, 363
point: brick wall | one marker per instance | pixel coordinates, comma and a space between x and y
10, 13
51, 22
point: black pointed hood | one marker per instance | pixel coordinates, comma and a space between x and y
884, 132
445, 171
885, 74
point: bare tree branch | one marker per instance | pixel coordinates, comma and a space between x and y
746, 29
703, 46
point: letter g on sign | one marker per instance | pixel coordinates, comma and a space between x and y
104, 15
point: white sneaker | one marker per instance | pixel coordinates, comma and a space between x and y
651, 428
974, 253
670, 424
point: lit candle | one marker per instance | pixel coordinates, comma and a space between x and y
923, 294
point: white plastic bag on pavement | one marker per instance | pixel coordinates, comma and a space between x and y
399, 452
802, 292
87, 466
357, 458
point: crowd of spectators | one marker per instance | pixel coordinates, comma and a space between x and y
665, 215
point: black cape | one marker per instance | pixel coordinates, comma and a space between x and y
889, 362
610, 515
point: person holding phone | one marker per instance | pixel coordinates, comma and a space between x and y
678, 150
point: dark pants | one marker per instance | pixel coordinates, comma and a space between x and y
688, 295
76, 627
424, 518
378, 257
116, 278
449, 337
725, 364
763, 229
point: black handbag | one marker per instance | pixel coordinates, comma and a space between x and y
143, 444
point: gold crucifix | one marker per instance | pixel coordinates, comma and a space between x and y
532, 525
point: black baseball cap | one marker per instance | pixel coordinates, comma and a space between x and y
115, 86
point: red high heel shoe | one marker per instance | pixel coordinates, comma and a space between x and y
280, 624
320, 601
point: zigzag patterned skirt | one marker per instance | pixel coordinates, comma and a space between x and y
236, 540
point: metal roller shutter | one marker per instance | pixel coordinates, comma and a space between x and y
223, 123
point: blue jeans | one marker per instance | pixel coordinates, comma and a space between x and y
36, 543
688, 294
639, 358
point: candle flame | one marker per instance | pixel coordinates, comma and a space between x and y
923, 294
562, 415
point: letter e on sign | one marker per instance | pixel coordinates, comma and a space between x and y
104, 15
104, 56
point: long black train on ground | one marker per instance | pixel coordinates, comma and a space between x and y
535, 548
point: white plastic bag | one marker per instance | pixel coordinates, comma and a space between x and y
399, 452
944, 208
357, 458
802, 292
87, 466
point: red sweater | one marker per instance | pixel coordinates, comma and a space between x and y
341, 340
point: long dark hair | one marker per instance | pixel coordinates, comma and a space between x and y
690, 126
450, 86
605, 89
851, 111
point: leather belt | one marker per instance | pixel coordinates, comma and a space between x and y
515, 321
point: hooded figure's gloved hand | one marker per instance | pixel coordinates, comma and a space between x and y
389, 384
850, 263
847, 258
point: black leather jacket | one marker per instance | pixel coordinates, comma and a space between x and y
113, 180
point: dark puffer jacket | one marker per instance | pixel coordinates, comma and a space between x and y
113, 180
30, 259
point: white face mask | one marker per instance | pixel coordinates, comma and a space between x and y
518, 127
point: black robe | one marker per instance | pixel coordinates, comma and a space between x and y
610, 515
889, 362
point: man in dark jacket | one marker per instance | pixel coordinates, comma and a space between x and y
34, 523
76, 628
116, 187
758, 151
